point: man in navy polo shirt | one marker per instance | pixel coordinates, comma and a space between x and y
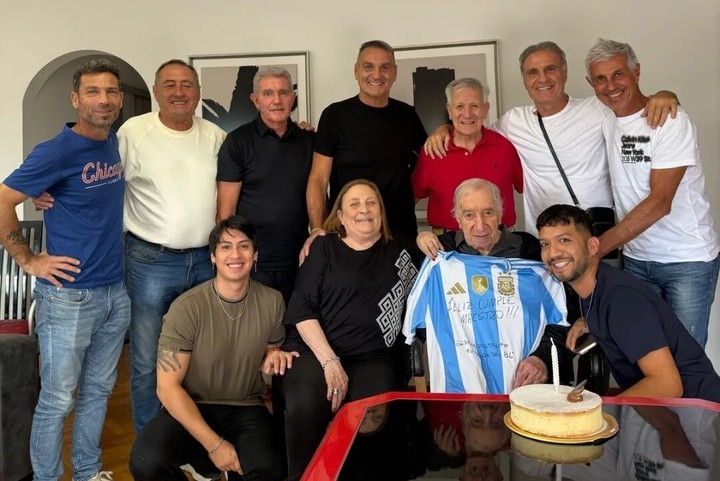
649, 350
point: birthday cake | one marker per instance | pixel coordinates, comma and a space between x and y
538, 409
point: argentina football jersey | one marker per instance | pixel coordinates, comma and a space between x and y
482, 316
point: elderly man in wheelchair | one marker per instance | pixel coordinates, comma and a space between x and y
486, 309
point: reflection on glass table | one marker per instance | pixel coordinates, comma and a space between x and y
403, 436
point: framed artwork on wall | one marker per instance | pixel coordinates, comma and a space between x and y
425, 70
226, 85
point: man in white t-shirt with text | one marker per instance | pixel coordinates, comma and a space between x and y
658, 184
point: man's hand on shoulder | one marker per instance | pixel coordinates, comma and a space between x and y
659, 106
438, 143
306, 246
306, 126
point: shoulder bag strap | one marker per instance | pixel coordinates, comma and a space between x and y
557, 161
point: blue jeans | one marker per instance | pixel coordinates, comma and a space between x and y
155, 276
81, 334
689, 288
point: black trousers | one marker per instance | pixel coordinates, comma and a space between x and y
164, 445
283, 281
307, 410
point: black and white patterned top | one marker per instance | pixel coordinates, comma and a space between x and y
357, 296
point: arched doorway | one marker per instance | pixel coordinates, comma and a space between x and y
46, 104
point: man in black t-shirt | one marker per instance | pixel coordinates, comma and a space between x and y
263, 167
368, 136
649, 351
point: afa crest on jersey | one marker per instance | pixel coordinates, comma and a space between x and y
506, 285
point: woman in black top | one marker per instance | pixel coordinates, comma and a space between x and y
344, 319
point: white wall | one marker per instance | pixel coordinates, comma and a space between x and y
678, 44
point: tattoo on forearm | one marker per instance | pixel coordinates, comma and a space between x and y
167, 360
16, 238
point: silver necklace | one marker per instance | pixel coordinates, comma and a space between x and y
592, 296
222, 306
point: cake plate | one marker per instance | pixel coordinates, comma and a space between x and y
609, 431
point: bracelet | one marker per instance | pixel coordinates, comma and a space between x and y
328, 361
210, 453
314, 230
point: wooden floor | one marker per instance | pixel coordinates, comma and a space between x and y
118, 434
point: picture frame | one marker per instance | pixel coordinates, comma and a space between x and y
226, 85
425, 70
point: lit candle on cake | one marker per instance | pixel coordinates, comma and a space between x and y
555, 365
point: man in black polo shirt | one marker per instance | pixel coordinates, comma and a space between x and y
263, 167
368, 136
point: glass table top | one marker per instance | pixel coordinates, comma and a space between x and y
403, 436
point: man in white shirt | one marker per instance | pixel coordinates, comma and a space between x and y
658, 183
170, 160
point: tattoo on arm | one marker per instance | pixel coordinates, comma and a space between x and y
16, 237
167, 360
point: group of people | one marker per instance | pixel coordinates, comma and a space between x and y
206, 273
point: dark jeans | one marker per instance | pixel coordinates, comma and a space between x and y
307, 410
283, 281
164, 445
154, 277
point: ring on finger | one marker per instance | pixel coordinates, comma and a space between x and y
335, 391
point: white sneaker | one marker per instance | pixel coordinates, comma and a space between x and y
101, 476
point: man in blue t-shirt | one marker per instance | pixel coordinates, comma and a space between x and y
649, 350
82, 310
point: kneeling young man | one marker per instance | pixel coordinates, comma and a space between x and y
215, 340
650, 352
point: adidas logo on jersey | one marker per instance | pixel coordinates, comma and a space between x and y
456, 289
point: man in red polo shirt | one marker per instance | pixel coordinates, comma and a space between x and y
474, 152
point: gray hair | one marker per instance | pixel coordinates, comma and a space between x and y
469, 186
377, 44
182, 63
271, 71
98, 65
604, 49
466, 83
543, 46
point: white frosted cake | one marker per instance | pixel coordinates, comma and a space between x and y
538, 409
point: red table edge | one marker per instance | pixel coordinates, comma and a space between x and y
330, 455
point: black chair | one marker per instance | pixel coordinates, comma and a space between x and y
16, 303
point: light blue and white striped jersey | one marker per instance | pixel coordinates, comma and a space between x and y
482, 315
